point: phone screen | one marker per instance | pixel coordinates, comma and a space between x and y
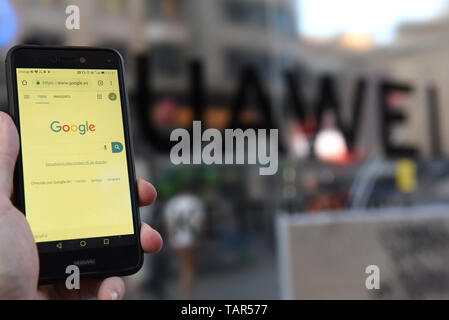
75, 169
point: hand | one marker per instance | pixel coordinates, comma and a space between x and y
19, 261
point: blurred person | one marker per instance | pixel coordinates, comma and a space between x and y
19, 260
184, 219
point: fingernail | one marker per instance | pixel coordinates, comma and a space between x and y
115, 295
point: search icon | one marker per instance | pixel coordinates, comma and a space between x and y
116, 147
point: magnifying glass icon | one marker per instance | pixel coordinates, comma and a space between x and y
116, 147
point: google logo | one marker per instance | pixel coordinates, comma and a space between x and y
56, 126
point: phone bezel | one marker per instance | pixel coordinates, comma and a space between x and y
108, 261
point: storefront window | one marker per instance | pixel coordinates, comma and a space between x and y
112, 7
167, 60
246, 13
164, 9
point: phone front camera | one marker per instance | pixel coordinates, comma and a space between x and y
83, 60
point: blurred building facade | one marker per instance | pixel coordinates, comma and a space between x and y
216, 32
416, 58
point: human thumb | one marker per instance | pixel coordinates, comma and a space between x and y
9, 148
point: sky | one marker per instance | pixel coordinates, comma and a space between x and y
326, 18
8, 24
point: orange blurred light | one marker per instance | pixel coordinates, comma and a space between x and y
357, 41
218, 118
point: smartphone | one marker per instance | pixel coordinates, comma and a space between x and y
75, 178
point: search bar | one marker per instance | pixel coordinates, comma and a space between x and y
63, 84
76, 148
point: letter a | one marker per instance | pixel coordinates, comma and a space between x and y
183, 147
73, 280
73, 20
373, 280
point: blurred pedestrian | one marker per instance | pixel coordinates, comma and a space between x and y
184, 219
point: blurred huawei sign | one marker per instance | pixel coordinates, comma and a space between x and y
314, 126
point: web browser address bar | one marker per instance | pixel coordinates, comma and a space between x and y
76, 148
63, 83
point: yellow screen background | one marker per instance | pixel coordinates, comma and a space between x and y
75, 186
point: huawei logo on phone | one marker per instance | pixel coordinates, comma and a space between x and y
85, 262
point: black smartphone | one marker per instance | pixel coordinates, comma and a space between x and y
75, 178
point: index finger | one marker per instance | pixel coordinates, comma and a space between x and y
147, 193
